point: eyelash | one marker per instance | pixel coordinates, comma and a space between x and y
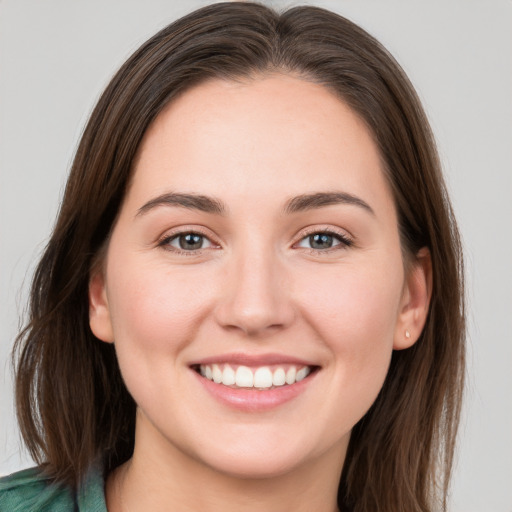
344, 241
168, 238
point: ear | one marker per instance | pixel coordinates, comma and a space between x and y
415, 301
99, 313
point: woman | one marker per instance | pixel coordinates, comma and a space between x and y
252, 297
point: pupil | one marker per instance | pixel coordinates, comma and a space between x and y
320, 241
191, 241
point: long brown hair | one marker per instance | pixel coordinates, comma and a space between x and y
73, 407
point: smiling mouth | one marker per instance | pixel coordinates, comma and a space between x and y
260, 378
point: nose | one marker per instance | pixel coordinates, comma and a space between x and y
256, 295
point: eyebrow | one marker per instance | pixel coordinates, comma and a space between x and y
215, 206
191, 201
320, 199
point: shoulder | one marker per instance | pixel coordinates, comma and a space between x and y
31, 490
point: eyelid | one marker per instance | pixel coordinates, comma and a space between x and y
164, 239
346, 240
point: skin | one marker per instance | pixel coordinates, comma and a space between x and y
256, 287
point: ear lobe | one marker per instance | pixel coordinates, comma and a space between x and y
99, 313
415, 301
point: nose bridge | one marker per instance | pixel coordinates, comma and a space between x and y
255, 296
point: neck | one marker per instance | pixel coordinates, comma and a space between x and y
163, 478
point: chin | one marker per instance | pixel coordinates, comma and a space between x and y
258, 456
255, 466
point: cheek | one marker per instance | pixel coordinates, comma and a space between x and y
155, 306
355, 316
155, 315
357, 304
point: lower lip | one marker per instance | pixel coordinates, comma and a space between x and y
255, 400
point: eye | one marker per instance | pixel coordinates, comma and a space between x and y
189, 241
324, 240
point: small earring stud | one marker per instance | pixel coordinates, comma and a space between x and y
407, 334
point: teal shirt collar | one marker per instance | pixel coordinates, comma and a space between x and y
30, 490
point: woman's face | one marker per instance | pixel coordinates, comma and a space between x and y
254, 285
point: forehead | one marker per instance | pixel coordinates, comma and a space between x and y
265, 136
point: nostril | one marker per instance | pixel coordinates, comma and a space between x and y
254, 321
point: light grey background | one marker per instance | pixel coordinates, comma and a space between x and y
56, 56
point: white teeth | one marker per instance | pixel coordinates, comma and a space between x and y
279, 377
228, 376
244, 377
290, 375
262, 378
302, 374
217, 374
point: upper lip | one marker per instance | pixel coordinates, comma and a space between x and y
252, 360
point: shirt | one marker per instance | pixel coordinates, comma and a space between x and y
32, 491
